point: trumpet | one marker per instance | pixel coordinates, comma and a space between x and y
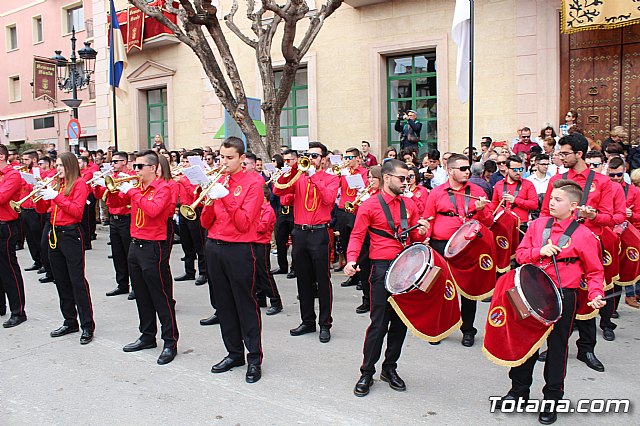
17, 205
351, 206
189, 211
99, 176
22, 168
275, 176
302, 166
215, 172
337, 168
177, 170
113, 183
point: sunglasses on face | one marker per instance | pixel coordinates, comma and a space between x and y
501, 163
115, 161
410, 177
462, 168
518, 169
140, 166
349, 157
526, 137
594, 165
313, 155
543, 164
616, 174
402, 179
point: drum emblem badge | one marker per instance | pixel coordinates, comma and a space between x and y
238, 190
486, 262
583, 285
498, 316
593, 187
632, 254
449, 290
502, 242
606, 259
150, 196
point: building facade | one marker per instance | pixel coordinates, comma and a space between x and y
37, 28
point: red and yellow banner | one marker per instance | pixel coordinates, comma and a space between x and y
44, 79
580, 15
135, 28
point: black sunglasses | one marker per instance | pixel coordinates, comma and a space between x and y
462, 168
140, 166
500, 163
402, 178
349, 157
616, 174
313, 155
594, 165
115, 161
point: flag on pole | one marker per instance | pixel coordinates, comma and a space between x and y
460, 30
117, 52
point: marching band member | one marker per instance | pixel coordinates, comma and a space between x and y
284, 226
345, 220
418, 193
381, 218
596, 212
149, 257
164, 173
88, 223
562, 203
30, 219
119, 223
314, 196
231, 259
11, 281
265, 282
449, 208
66, 247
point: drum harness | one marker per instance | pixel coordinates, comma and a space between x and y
564, 239
452, 197
517, 191
401, 236
585, 191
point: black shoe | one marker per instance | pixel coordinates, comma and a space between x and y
254, 373
108, 243
46, 279
3, 310
227, 364
33, 267
291, 274
86, 337
395, 382
592, 362
167, 355
139, 345
363, 309
185, 277
117, 291
64, 330
302, 329
110, 256
349, 282
543, 356
362, 387
359, 286
279, 271
547, 416
131, 296
609, 335
468, 339
213, 319
14, 320
325, 335
202, 280
41, 270
615, 315
274, 309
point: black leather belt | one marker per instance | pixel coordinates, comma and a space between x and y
310, 227
139, 241
226, 243
119, 216
67, 227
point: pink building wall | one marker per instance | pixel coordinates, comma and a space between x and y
16, 118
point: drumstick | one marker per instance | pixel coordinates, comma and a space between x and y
497, 208
463, 194
612, 295
555, 265
411, 228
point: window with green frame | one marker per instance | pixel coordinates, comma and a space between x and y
294, 119
411, 84
157, 121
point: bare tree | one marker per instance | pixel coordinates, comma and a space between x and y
195, 15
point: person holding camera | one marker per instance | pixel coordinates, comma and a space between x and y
409, 131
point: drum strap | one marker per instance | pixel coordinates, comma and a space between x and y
564, 238
404, 223
518, 187
587, 186
452, 197
626, 191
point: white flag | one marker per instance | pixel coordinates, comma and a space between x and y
460, 30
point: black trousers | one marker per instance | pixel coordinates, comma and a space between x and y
192, 237
311, 250
44, 242
11, 281
88, 222
608, 309
152, 283
120, 237
67, 265
467, 307
555, 368
284, 228
32, 227
365, 270
384, 321
345, 222
264, 280
233, 274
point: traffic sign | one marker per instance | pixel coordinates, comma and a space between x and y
73, 129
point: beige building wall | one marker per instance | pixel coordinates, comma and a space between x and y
516, 61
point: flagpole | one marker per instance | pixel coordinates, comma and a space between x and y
113, 88
471, 83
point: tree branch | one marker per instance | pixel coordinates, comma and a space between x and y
228, 19
275, 8
316, 24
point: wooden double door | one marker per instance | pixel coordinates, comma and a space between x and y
600, 79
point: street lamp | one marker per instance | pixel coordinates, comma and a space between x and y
69, 79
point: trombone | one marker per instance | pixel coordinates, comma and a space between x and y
189, 211
17, 205
113, 183
351, 206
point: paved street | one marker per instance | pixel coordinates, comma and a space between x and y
58, 381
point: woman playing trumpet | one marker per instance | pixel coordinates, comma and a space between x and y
66, 247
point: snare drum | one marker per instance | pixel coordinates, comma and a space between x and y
535, 294
505, 231
629, 253
412, 269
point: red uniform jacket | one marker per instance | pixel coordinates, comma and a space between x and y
10, 185
526, 200
582, 245
314, 197
444, 226
347, 194
633, 202
420, 195
113, 200
148, 210
233, 218
266, 224
66, 209
619, 203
